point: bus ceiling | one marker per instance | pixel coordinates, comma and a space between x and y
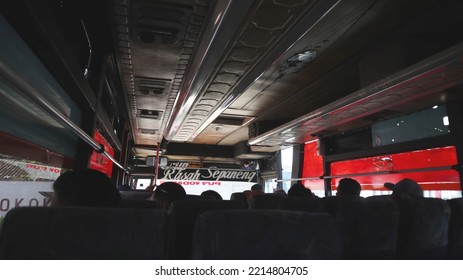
251, 77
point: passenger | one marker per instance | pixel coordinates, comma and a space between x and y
299, 190
210, 194
85, 187
280, 192
405, 189
168, 192
348, 186
256, 188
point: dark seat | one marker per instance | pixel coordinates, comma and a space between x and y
240, 196
304, 204
84, 233
265, 201
369, 228
135, 194
184, 214
423, 228
332, 203
455, 249
266, 234
135, 203
193, 197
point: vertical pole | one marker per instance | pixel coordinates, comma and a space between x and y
156, 166
455, 115
327, 181
279, 171
326, 168
298, 161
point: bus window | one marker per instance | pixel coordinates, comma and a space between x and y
313, 168
225, 181
143, 183
270, 185
431, 168
25, 183
286, 167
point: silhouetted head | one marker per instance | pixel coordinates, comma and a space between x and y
85, 187
405, 189
256, 187
167, 192
210, 194
348, 186
299, 190
280, 192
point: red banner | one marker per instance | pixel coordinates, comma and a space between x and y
388, 168
100, 162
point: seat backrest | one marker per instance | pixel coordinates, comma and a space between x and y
240, 196
455, 250
304, 204
369, 228
265, 201
193, 197
332, 203
266, 234
84, 233
135, 194
184, 214
423, 228
135, 203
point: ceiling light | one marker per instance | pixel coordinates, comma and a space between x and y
298, 61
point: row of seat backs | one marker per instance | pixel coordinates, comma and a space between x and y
369, 229
106, 233
85, 233
266, 234
455, 229
184, 213
379, 227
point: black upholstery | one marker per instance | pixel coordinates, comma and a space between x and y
266, 234
240, 196
369, 228
423, 228
193, 197
305, 204
455, 249
84, 233
135, 194
332, 203
184, 214
265, 201
135, 203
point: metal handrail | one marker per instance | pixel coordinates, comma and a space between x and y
437, 168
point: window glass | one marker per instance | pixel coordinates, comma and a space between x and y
143, 184
313, 168
286, 167
418, 125
25, 183
21, 117
431, 168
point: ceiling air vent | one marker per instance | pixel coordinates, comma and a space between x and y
147, 86
148, 131
160, 24
149, 114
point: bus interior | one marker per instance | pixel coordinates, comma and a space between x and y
221, 95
